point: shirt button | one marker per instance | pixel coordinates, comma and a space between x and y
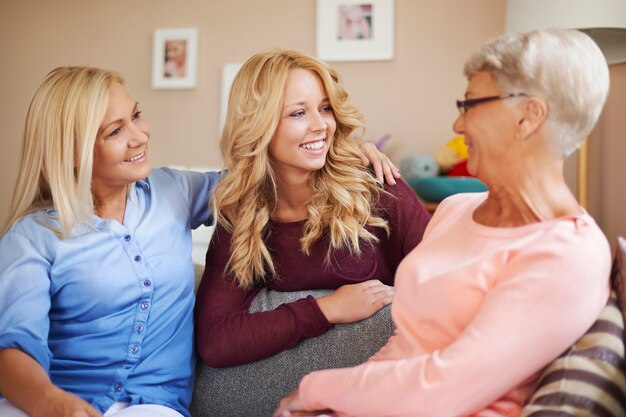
147, 283
127, 238
137, 258
139, 328
144, 305
117, 387
134, 349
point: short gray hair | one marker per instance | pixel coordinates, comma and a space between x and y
563, 67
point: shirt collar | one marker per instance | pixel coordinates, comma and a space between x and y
145, 184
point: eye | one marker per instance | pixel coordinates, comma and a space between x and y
326, 109
137, 115
115, 132
297, 113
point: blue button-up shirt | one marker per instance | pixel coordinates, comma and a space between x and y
108, 311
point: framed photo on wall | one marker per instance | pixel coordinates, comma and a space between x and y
355, 30
174, 58
229, 71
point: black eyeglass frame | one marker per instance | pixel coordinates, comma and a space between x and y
464, 105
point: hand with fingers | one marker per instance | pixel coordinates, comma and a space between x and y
354, 302
290, 406
59, 403
383, 167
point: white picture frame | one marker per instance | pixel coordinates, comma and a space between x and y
229, 71
174, 58
355, 30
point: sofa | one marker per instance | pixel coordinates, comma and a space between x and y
586, 380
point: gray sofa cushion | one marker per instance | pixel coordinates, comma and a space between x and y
255, 389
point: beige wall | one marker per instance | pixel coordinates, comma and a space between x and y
411, 97
607, 158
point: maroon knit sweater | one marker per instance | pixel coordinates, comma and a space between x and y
228, 335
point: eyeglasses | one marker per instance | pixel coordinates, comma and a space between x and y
464, 105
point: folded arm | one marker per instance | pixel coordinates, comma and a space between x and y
526, 320
25, 384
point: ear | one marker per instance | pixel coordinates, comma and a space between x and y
534, 111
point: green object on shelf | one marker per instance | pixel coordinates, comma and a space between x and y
435, 189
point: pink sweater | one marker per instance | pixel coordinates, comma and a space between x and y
479, 312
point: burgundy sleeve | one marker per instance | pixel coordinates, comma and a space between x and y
227, 334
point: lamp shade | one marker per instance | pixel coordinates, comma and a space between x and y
603, 20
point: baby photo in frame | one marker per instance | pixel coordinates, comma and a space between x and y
355, 30
174, 58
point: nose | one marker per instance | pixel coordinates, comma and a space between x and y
459, 125
140, 134
318, 123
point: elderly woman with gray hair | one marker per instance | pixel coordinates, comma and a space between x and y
503, 281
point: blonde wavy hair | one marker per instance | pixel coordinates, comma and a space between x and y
244, 199
61, 126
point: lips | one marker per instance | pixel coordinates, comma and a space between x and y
136, 157
313, 145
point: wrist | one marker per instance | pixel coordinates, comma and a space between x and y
326, 307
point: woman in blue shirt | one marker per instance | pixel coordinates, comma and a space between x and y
96, 277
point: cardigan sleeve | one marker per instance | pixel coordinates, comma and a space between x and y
227, 334
545, 298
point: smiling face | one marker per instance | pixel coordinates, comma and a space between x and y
121, 148
489, 128
306, 126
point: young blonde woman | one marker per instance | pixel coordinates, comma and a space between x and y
96, 278
296, 211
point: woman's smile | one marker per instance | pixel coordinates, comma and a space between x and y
316, 147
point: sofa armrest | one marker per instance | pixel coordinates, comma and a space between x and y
255, 389
590, 377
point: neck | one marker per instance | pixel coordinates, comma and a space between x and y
294, 195
111, 203
539, 194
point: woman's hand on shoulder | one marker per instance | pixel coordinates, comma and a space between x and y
59, 403
354, 302
383, 167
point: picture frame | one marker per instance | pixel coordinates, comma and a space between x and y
229, 71
355, 30
174, 58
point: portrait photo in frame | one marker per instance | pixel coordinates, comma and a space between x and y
355, 30
174, 58
229, 71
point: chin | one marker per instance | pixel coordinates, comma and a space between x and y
144, 172
317, 167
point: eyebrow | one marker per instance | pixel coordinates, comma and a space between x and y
302, 103
105, 127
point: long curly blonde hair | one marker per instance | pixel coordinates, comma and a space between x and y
344, 190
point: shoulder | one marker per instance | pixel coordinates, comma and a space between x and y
36, 225
463, 199
579, 239
399, 194
461, 202
218, 251
176, 176
31, 233
191, 185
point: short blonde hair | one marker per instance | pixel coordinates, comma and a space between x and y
564, 67
61, 126
344, 190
